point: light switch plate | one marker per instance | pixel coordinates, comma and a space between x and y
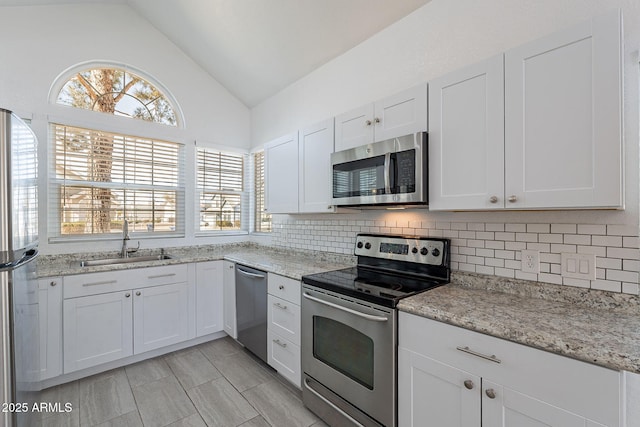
578, 266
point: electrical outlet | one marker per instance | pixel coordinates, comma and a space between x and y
530, 261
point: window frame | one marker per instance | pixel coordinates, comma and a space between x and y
56, 184
243, 194
258, 202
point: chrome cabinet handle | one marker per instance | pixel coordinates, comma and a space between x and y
491, 393
127, 295
277, 304
493, 199
377, 120
281, 344
325, 400
512, 199
468, 384
53, 283
157, 276
254, 275
106, 282
138, 293
368, 122
281, 287
491, 358
348, 310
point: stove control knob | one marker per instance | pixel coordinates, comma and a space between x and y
359, 245
435, 252
367, 245
414, 250
424, 251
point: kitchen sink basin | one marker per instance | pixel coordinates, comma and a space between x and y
112, 261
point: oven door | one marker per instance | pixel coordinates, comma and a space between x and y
387, 172
349, 348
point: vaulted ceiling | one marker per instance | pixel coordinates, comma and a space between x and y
256, 48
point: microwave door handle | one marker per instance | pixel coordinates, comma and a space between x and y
387, 173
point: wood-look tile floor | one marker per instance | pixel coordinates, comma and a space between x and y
213, 384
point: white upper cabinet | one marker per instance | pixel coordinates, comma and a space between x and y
564, 118
281, 174
466, 138
544, 130
397, 115
315, 148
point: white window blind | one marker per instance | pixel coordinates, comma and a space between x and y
262, 219
221, 192
102, 178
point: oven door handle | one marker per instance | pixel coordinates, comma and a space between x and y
348, 310
328, 402
387, 173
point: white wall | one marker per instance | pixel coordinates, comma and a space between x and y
440, 37
40, 42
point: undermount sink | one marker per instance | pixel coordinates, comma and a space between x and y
111, 261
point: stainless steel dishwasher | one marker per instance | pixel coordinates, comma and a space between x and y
251, 309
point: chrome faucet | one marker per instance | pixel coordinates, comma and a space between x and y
124, 252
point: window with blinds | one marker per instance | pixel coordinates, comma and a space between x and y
220, 185
262, 219
102, 178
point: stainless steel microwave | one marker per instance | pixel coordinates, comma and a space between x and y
391, 172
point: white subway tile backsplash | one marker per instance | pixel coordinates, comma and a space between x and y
488, 248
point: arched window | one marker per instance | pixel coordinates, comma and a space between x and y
119, 92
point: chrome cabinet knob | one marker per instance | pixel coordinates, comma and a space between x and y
138, 293
368, 122
493, 199
468, 384
127, 295
377, 120
512, 199
491, 393
281, 287
53, 283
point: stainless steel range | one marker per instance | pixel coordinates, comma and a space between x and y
349, 326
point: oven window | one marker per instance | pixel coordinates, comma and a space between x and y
345, 349
359, 178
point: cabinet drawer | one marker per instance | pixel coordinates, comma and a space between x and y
284, 318
284, 356
285, 288
549, 377
120, 280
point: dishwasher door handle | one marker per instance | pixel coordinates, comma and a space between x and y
348, 310
252, 275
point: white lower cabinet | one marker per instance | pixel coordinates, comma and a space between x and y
209, 299
97, 329
450, 376
160, 316
283, 327
229, 299
50, 313
109, 316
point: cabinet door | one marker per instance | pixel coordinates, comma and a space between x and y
315, 148
160, 316
354, 128
208, 297
401, 114
50, 313
436, 394
281, 174
284, 357
229, 297
563, 119
97, 329
466, 138
503, 407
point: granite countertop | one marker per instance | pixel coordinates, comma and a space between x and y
283, 262
593, 326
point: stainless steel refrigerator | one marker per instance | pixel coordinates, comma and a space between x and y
19, 310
